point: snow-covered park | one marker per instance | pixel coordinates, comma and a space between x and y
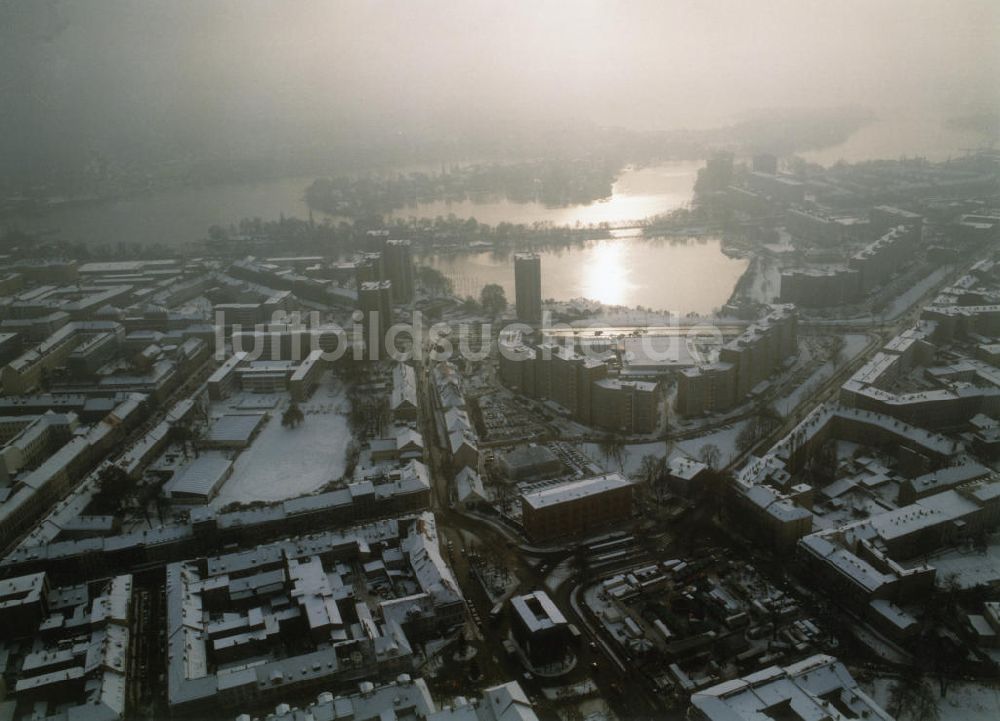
968, 566
287, 462
965, 701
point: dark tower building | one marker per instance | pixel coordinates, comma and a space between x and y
528, 287
370, 269
765, 163
399, 269
717, 173
375, 300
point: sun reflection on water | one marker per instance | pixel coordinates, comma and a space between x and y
606, 274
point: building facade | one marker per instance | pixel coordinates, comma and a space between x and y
528, 287
375, 300
577, 507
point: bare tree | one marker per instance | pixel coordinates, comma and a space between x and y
710, 455
649, 468
504, 494
613, 449
652, 470
912, 699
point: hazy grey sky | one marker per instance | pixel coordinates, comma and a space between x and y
194, 73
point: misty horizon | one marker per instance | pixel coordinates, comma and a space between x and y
147, 83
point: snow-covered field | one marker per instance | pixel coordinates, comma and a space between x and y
724, 439
631, 456
287, 462
970, 567
595, 709
962, 702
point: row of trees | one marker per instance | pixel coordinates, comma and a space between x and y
554, 182
762, 423
346, 237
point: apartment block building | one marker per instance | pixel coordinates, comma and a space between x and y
528, 287
577, 507
580, 384
744, 363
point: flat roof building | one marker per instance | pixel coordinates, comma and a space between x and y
233, 430
539, 627
530, 461
528, 287
576, 507
375, 302
399, 269
200, 480
820, 687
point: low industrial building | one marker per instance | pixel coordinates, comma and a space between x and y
233, 430
200, 480
530, 461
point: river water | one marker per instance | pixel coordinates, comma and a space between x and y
621, 270
671, 275
172, 217
177, 216
896, 136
